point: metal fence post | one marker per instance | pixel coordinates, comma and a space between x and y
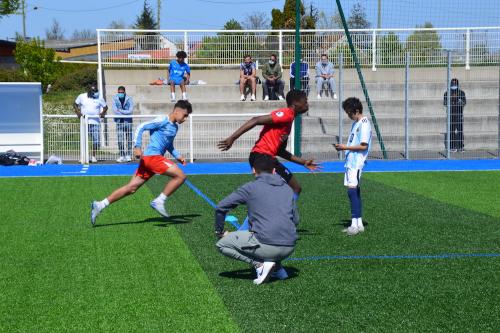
448, 104
341, 97
99, 65
82, 140
374, 51
498, 147
407, 78
280, 50
191, 143
186, 46
467, 50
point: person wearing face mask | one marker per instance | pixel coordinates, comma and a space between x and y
123, 105
457, 103
324, 75
92, 105
272, 74
248, 76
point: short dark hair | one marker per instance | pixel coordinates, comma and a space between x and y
351, 105
324, 55
454, 80
294, 96
264, 163
273, 55
181, 54
183, 104
121, 88
247, 56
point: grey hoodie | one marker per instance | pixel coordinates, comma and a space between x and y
271, 209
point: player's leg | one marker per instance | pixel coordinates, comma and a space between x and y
95, 138
182, 85
130, 188
332, 87
177, 178
253, 85
351, 181
319, 86
243, 83
281, 88
172, 89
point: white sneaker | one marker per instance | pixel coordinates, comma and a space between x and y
280, 97
121, 159
95, 210
172, 99
263, 272
253, 98
280, 274
128, 158
93, 159
335, 96
242, 98
351, 231
319, 96
159, 208
361, 228
266, 98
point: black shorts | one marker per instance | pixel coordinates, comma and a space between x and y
281, 170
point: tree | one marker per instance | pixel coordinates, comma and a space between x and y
329, 22
117, 25
55, 32
390, 51
37, 63
83, 34
357, 18
232, 24
256, 21
424, 45
286, 19
146, 20
8, 7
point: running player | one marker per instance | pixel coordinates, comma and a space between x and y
357, 149
162, 131
274, 136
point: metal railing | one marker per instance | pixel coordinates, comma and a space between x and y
375, 47
67, 136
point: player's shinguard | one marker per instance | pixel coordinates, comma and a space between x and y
357, 149
162, 132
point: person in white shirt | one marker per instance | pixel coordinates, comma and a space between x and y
92, 105
357, 149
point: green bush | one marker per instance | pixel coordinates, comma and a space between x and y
75, 78
12, 75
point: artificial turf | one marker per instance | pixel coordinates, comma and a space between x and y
138, 272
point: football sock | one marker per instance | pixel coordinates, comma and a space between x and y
161, 198
355, 204
358, 192
104, 203
359, 222
173, 95
354, 222
184, 96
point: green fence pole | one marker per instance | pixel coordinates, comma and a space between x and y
298, 83
361, 79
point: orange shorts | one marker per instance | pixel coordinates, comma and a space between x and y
151, 165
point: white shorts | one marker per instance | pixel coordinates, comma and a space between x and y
352, 177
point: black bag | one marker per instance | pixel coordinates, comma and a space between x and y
12, 158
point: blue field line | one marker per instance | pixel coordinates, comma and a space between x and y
377, 257
78, 170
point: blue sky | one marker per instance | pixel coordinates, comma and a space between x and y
212, 14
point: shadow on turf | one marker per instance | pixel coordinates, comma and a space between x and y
249, 274
174, 219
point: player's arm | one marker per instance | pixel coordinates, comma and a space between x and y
78, 111
238, 197
138, 134
259, 120
176, 154
310, 164
361, 147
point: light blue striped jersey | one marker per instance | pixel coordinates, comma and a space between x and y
361, 131
162, 133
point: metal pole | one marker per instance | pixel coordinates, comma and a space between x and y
186, 45
379, 14
191, 143
341, 97
467, 50
23, 9
298, 83
158, 14
280, 50
448, 105
498, 147
374, 51
99, 65
407, 77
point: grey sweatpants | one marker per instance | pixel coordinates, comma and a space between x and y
244, 246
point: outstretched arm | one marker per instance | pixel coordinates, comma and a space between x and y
309, 164
260, 120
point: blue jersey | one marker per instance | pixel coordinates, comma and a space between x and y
162, 133
361, 132
177, 70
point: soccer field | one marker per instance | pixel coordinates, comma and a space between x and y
428, 261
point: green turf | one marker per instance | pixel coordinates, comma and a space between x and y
131, 274
137, 272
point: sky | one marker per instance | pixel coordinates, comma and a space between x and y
212, 14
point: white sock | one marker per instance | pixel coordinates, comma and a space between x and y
103, 203
184, 95
360, 222
173, 95
354, 222
161, 198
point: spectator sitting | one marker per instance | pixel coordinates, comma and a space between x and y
324, 75
91, 104
123, 105
179, 74
304, 76
248, 75
272, 74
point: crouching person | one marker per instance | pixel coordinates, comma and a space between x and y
273, 219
